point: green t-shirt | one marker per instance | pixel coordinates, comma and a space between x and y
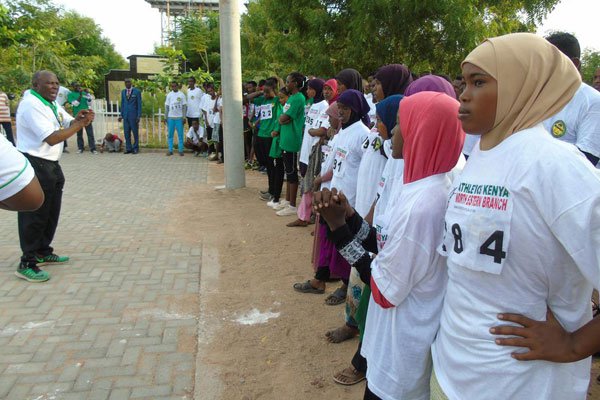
83, 102
269, 111
291, 134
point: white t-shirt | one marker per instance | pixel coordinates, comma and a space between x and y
15, 170
369, 172
208, 105
63, 94
372, 109
175, 101
196, 136
523, 234
579, 121
411, 275
314, 119
35, 122
346, 159
470, 142
327, 160
194, 97
217, 114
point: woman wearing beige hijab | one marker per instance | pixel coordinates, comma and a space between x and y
522, 228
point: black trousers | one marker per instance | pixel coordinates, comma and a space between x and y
192, 119
9, 133
370, 395
37, 228
261, 149
290, 162
221, 145
278, 173
359, 362
209, 137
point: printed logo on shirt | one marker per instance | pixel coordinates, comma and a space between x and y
483, 196
376, 143
381, 236
559, 128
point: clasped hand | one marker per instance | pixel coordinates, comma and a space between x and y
333, 207
85, 116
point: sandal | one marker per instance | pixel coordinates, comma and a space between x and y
297, 222
306, 287
349, 376
337, 297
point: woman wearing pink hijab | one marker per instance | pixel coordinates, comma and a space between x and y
408, 276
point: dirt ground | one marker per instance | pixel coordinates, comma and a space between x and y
250, 261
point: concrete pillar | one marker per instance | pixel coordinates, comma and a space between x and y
231, 86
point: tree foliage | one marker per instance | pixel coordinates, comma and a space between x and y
197, 37
324, 36
590, 62
36, 34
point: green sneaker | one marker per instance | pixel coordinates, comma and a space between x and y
31, 273
51, 259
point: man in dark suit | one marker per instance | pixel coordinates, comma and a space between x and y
131, 110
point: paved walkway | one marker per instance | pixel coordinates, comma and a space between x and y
120, 320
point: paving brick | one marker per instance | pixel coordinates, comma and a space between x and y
131, 355
163, 390
6, 383
120, 394
101, 310
70, 372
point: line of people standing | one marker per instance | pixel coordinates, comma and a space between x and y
454, 270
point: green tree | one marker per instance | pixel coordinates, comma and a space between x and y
197, 37
323, 36
590, 62
36, 34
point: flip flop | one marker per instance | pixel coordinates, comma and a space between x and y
337, 297
352, 376
306, 287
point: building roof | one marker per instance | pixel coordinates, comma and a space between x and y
178, 7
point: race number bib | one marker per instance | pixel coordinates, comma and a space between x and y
326, 151
286, 107
322, 121
339, 162
311, 118
478, 227
266, 111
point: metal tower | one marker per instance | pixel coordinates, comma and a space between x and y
170, 10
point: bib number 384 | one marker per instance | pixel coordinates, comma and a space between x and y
478, 232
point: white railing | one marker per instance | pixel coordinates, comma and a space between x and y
152, 129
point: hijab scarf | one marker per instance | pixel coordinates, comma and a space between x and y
433, 136
394, 78
431, 83
317, 85
387, 110
359, 106
332, 83
351, 79
535, 80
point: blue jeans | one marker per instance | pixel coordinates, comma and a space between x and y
173, 124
